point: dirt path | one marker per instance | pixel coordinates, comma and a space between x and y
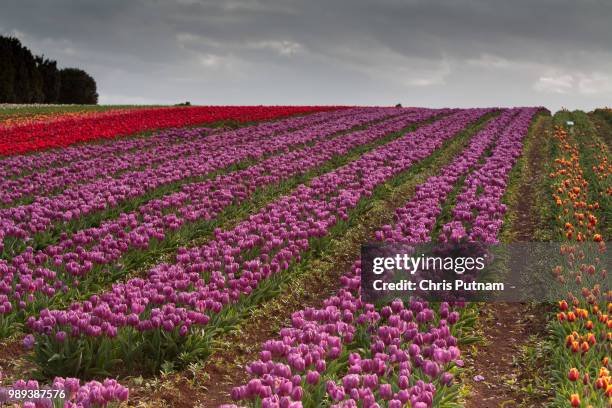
496, 371
527, 216
507, 329
13, 361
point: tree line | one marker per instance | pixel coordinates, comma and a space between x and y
28, 78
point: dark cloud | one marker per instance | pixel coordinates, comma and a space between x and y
430, 52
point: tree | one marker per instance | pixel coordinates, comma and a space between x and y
7, 71
27, 84
77, 86
50, 77
25, 78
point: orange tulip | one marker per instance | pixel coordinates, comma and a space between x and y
576, 346
584, 347
574, 374
575, 400
591, 339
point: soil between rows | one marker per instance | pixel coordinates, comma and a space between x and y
507, 328
496, 371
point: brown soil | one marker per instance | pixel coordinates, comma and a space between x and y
528, 219
508, 327
175, 394
13, 362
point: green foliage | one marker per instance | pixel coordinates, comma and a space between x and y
591, 150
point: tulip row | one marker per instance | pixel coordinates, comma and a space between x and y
409, 230
411, 349
79, 164
80, 201
16, 115
20, 165
71, 394
583, 327
45, 182
479, 211
26, 117
157, 313
39, 136
36, 275
348, 354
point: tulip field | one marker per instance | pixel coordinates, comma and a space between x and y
209, 256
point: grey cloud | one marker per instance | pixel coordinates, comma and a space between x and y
420, 52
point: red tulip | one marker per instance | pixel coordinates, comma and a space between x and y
574, 374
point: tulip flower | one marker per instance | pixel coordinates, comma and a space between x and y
28, 342
575, 400
584, 347
586, 379
574, 374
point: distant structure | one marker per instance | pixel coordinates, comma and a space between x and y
399, 105
25, 78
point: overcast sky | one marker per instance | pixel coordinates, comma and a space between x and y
427, 53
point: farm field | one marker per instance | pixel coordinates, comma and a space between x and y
210, 256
